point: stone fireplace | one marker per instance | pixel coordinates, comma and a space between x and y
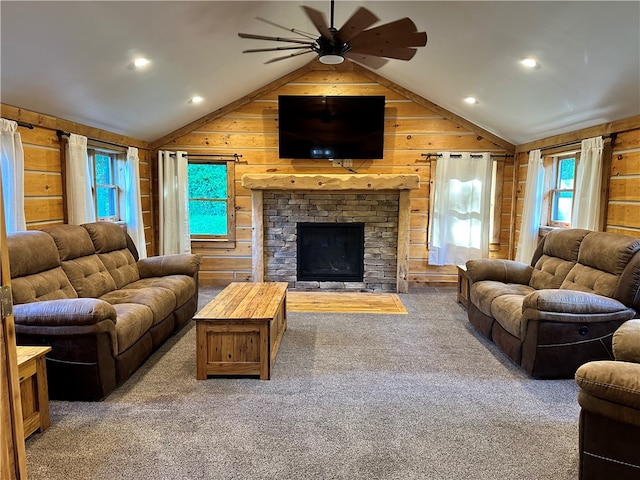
379, 202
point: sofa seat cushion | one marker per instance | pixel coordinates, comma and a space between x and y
483, 293
507, 311
132, 322
161, 301
183, 286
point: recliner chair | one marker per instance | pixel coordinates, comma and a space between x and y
610, 415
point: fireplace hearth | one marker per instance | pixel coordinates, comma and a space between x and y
330, 251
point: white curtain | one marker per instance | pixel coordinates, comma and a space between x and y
79, 174
12, 169
532, 209
132, 201
586, 203
174, 202
460, 213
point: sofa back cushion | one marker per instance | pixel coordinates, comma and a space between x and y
36, 274
85, 270
559, 254
110, 242
602, 259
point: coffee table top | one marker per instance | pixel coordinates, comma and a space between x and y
245, 301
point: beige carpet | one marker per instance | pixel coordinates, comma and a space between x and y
345, 302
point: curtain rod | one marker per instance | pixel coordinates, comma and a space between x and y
232, 155
576, 143
60, 133
458, 155
26, 125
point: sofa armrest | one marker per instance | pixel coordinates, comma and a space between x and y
573, 306
626, 342
64, 313
162, 265
506, 271
616, 382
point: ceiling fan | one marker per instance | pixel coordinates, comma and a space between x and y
354, 40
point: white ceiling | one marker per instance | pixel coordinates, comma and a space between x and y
73, 60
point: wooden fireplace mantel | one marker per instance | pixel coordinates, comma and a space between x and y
330, 182
403, 184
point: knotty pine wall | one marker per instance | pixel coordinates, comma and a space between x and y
413, 126
43, 176
623, 179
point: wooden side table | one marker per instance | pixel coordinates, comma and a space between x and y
34, 391
463, 286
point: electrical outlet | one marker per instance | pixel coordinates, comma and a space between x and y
347, 163
337, 163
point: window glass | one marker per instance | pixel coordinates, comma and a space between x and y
106, 190
208, 199
561, 196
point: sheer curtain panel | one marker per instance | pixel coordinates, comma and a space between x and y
586, 203
174, 202
12, 163
79, 182
532, 208
133, 201
460, 213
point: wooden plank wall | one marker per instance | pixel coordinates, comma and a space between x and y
623, 204
413, 126
43, 176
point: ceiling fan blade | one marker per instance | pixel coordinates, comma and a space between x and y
274, 39
274, 49
367, 60
361, 19
401, 33
399, 53
277, 59
317, 18
292, 30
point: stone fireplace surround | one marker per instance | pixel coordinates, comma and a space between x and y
344, 197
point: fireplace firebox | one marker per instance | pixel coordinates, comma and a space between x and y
330, 251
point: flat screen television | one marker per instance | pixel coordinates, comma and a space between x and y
331, 127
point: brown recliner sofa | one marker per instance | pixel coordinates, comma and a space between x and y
82, 290
610, 415
560, 311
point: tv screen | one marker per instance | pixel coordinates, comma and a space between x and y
332, 127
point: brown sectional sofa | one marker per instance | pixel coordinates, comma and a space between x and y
560, 311
82, 290
610, 415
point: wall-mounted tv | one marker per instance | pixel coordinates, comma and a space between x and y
331, 127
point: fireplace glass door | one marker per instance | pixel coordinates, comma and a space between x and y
330, 251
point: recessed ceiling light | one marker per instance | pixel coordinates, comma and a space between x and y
140, 62
470, 100
529, 62
196, 99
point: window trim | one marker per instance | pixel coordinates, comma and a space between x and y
230, 238
550, 163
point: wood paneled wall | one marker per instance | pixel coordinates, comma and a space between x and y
43, 176
413, 126
622, 191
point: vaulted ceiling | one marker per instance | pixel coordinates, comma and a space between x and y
73, 60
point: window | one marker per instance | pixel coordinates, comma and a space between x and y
561, 174
211, 200
106, 191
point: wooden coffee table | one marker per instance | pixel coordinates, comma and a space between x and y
34, 391
239, 332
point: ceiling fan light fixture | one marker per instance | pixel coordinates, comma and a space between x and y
331, 59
